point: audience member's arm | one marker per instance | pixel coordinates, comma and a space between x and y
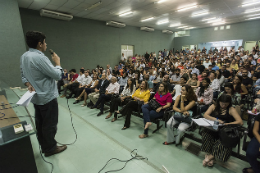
176, 103
256, 130
244, 90
236, 116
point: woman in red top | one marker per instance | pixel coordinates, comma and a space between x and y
164, 98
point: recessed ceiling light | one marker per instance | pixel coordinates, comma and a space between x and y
200, 14
252, 10
150, 18
183, 27
174, 25
218, 23
187, 8
214, 21
163, 22
252, 18
253, 15
209, 19
94, 5
250, 3
161, 1
190, 28
126, 13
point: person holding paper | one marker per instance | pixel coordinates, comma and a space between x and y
211, 143
39, 74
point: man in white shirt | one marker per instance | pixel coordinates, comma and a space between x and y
74, 85
255, 55
113, 88
109, 75
207, 63
142, 64
123, 58
243, 57
85, 80
177, 88
194, 69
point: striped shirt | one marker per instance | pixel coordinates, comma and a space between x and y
37, 69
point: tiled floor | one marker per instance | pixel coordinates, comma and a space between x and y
99, 140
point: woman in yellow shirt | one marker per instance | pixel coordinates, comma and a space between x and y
142, 94
234, 65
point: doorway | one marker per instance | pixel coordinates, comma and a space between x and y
128, 50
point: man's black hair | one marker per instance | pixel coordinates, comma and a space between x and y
33, 38
81, 70
73, 70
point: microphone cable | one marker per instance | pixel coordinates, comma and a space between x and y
134, 157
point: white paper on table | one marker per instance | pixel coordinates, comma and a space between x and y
250, 112
26, 98
204, 122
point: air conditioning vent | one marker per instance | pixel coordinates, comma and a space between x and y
115, 24
167, 32
146, 29
55, 15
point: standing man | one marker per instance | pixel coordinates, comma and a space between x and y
39, 75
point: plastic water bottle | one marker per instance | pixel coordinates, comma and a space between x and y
1, 137
215, 125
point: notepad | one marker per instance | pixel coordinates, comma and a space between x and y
203, 122
26, 98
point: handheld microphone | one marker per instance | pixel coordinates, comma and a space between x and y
51, 51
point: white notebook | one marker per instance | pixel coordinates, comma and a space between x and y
26, 98
203, 122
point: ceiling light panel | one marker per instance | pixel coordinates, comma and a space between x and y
147, 19
250, 3
126, 13
183, 27
187, 8
161, 1
253, 18
212, 18
174, 25
252, 15
200, 14
214, 21
162, 22
252, 10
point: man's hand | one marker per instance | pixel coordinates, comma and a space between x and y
122, 99
30, 87
56, 59
96, 90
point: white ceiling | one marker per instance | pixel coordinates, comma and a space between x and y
230, 10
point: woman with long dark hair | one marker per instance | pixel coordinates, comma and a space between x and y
235, 97
211, 144
124, 98
204, 94
184, 105
238, 86
164, 98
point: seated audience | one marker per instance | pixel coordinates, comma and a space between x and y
123, 99
101, 89
113, 88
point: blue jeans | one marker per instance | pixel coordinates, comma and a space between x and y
252, 153
150, 114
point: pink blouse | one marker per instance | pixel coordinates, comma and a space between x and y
163, 99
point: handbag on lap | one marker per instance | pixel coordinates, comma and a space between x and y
154, 104
182, 118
